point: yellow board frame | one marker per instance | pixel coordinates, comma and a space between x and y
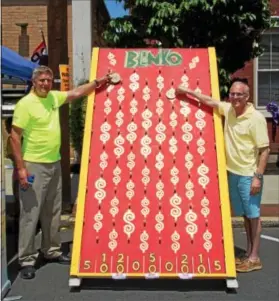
222, 170
223, 186
84, 170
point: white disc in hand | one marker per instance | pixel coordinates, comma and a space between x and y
115, 78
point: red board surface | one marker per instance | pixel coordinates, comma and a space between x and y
152, 195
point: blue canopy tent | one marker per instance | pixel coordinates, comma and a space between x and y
12, 64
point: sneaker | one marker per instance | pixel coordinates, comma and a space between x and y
249, 266
62, 259
27, 272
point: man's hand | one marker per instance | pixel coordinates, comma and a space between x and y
181, 90
102, 80
88, 88
255, 186
22, 175
110, 78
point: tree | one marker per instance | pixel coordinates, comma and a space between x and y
233, 27
77, 122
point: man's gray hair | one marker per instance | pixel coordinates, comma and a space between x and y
41, 70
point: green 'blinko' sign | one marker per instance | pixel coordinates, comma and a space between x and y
145, 58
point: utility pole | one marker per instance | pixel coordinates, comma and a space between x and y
58, 54
82, 38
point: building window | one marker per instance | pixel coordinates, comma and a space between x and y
268, 69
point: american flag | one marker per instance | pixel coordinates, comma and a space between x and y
40, 54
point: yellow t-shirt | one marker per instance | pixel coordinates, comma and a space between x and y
244, 135
39, 119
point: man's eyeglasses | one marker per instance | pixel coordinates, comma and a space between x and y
236, 94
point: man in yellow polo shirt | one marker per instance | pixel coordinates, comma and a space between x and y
247, 151
36, 118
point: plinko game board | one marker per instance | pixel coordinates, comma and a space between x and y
153, 197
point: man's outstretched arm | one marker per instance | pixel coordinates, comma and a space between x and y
207, 100
86, 89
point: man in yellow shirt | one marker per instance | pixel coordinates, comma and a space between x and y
36, 118
247, 151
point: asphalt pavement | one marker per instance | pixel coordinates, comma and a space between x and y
51, 282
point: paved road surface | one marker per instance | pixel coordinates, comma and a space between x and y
51, 282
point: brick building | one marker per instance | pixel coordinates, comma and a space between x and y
263, 73
22, 21
263, 76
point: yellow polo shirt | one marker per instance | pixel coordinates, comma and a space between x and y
39, 119
244, 135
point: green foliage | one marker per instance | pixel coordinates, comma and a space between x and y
233, 27
77, 120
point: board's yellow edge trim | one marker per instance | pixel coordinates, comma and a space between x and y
223, 187
222, 173
84, 170
160, 275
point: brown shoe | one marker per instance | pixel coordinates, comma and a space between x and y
249, 266
240, 259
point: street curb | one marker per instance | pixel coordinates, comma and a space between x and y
267, 222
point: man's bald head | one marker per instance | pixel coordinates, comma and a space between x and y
239, 95
241, 85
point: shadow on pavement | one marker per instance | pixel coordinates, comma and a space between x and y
12, 247
154, 285
239, 251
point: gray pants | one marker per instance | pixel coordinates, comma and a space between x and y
42, 201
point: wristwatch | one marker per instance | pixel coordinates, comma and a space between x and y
258, 175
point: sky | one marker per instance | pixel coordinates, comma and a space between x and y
115, 8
